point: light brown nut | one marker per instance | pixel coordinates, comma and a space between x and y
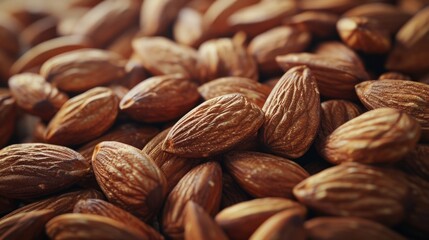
232, 193
337, 228
59, 204
334, 113
102, 208
40, 31
277, 41
36, 96
288, 224
393, 75
292, 114
417, 162
225, 58
88, 226
28, 169
264, 175
239, 221
81, 70
199, 225
38, 54
7, 116
106, 20
160, 99
407, 96
319, 24
201, 132
83, 117
161, 56
187, 29
356, 190
364, 34
129, 178
25, 226
340, 51
335, 78
157, 15
255, 92
173, 166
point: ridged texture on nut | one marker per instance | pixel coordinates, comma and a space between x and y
81, 70
88, 226
292, 114
7, 116
203, 185
31, 170
241, 220
377, 136
201, 132
129, 178
335, 78
338, 50
25, 226
335, 228
83, 117
160, 99
255, 92
36, 96
356, 190
264, 175
102, 208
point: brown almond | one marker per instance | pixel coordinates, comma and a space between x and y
69, 19
160, 99
73, 125
334, 6
9, 28
28, 169
40, 31
81, 70
264, 175
122, 45
203, 185
129, 178
356, 190
416, 162
7, 116
232, 193
292, 114
240, 221
340, 51
394, 75
36, 96
255, 92
200, 133
25, 226
320, 24
188, 28
102, 208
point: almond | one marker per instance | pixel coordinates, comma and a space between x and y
292, 114
188, 28
129, 178
203, 185
36, 96
40, 31
160, 99
416, 162
393, 75
340, 51
264, 175
25, 226
122, 45
328, 5
7, 116
200, 133
83, 117
320, 24
28, 169
356, 190
81, 70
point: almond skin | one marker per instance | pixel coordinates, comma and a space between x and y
417, 162
292, 114
338, 50
264, 175
36, 96
356, 190
378, 136
232, 193
200, 133
25, 226
160, 99
188, 28
7, 116
129, 178
203, 185
83, 117
27, 169
319, 24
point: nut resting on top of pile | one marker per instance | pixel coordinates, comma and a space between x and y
214, 119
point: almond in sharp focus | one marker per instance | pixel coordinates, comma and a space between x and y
203, 185
7, 116
25, 226
129, 178
201, 132
264, 175
83, 117
36, 96
239, 221
28, 169
81, 70
252, 90
292, 114
407, 96
356, 190
160, 99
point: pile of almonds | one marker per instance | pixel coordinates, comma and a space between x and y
214, 119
